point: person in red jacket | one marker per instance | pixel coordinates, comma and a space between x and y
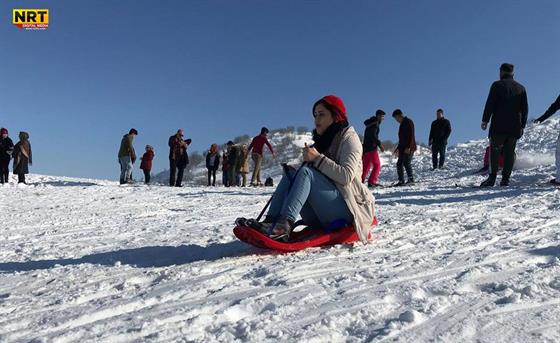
406, 147
146, 164
257, 146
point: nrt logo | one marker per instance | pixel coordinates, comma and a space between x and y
31, 18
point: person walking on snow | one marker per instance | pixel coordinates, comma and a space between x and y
551, 110
439, 134
146, 164
23, 157
212, 164
177, 147
406, 147
370, 159
257, 146
127, 156
6, 150
506, 110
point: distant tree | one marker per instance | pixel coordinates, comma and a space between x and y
302, 129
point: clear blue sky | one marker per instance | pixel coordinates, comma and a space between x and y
220, 69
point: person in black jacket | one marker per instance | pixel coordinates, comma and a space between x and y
370, 158
212, 164
234, 154
406, 147
506, 110
439, 134
182, 163
6, 150
551, 110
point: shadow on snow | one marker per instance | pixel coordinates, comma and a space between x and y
144, 257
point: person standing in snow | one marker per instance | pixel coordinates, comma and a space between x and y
225, 168
182, 163
244, 164
439, 134
6, 150
23, 157
233, 162
370, 159
551, 110
212, 164
327, 188
257, 147
177, 147
127, 156
146, 164
506, 110
405, 148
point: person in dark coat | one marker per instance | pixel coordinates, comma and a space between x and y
225, 169
506, 110
234, 155
212, 164
551, 110
182, 164
146, 164
370, 158
439, 134
406, 147
23, 157
177, 147
6, 150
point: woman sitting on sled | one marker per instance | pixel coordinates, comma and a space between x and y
327, 188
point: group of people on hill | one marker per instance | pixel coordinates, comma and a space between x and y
234, 160
505, 113
20, 153
178, 158
406, 146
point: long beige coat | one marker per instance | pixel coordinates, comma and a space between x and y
342, 163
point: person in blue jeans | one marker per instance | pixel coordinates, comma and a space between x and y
327, 187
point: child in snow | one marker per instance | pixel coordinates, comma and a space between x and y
22, 157
146, 164
327, 187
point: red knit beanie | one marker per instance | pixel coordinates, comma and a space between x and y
335, 105
3, 131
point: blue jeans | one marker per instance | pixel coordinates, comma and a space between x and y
313, 196
126, 168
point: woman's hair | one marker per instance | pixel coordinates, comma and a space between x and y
214, 148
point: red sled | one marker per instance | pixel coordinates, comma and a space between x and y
299, 240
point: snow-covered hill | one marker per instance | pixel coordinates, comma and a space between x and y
91, 261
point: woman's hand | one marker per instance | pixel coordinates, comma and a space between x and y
310, 154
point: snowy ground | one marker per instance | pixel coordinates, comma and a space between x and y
88, 260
